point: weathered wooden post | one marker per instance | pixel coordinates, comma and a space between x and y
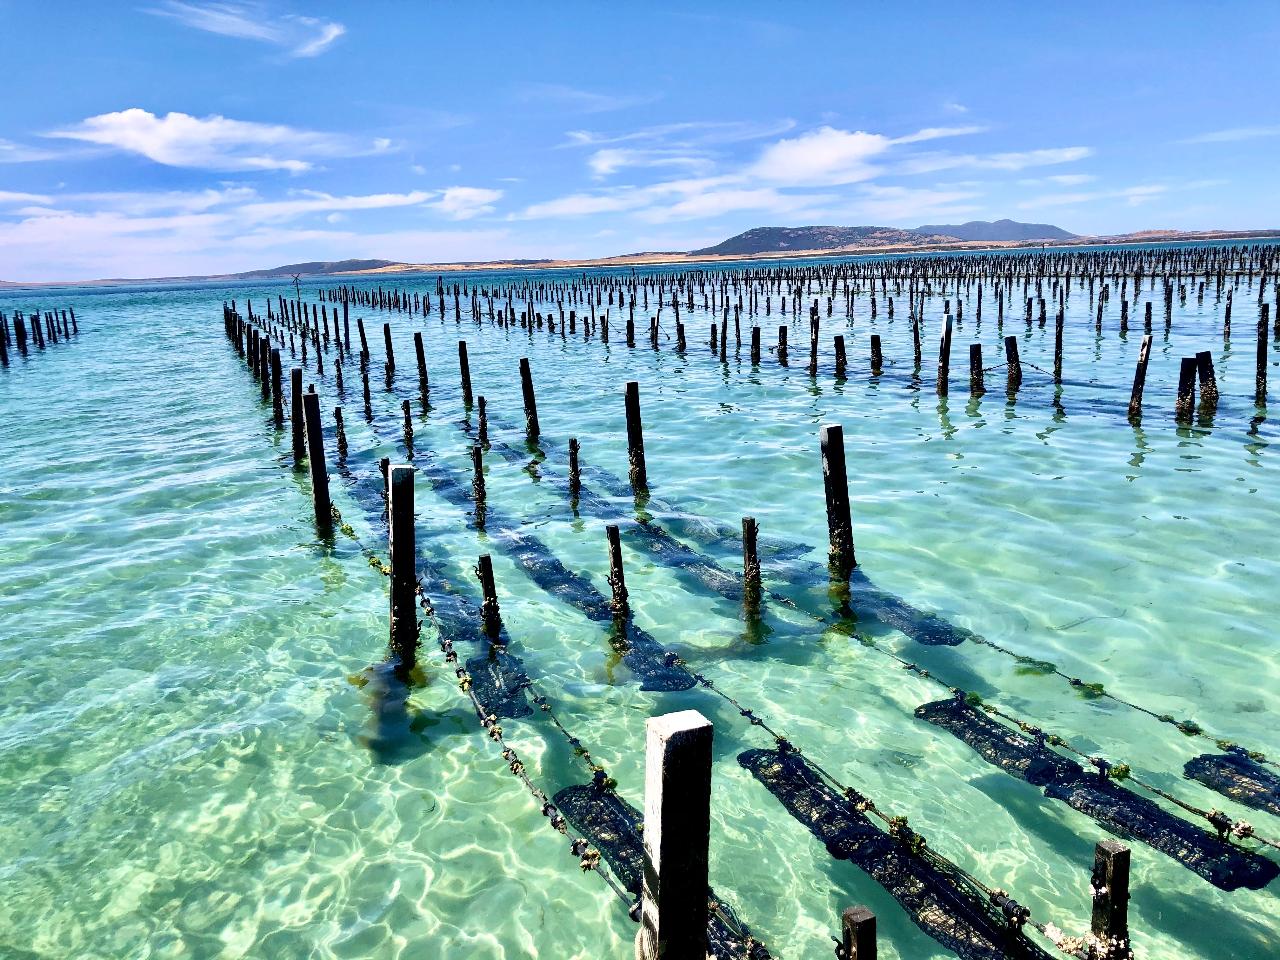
1260, 370
1140, 377
315, 459
1110, 887
677, 828
1057, 343
841, 359
464, 368
782, 345
1186, 389
617, 580
477, 474
530, 401
277, 398
575, 473
751, 589
1208, 380
422, 361
635, 440
755, 346
857, 934
402, 548
944, 358
1012, 362
834, 478
490, 612
295, 409
976, 386
877, 355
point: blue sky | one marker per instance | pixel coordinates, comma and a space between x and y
175, 137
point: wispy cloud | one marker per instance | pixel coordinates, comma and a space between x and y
690, 133
566, 97
1234, 134
8, 198
1009, 162
604, 163
937, 133
1133, 196
11, 152
299, 36
214, 142
464, 203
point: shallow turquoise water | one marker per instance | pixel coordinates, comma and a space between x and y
186, 768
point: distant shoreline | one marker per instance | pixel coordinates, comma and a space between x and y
690, 259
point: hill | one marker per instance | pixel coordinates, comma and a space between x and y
997, 230
315, 268
785, 239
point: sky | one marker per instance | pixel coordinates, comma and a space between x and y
183, 137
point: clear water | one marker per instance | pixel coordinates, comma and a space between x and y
187, 768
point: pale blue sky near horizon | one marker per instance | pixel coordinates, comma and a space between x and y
182, 137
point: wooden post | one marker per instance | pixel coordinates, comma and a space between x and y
755, 346
976, 386
944, 358
1186, 388
295, 410
782, 345
490, 612
877, 355
1057, 343
1012, 362
464, 369
422, 361
677, 828
277, 398
401, 546
575, 475
839, 524
477, 473
1208, 381
858, 934
635, 439
617, 580
482, 430
841, 360
750, 565
1140, 377
1110, 887
315, 458
1260, 371
530, 401
364, 343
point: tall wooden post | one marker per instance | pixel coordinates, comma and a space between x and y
858, 934
841, 359
750, 565
1208, 380
976, 386
1260, 370
422, 361
677, 828
277, 397
877, 354
315, 459
834, 478
1186, 388
295, 411
1140, 377
1012, 362
530, 401
401, 545
1110, 886
755, 346
944, 358
490, 612
619, 603
635, 439
464, 370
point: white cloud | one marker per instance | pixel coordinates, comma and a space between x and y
822, 157
714, 203
210, 143
935, 133
300, 36
1234, 134
699, 132
582, 101
9, 198
11, 152
610, 160
1133, 196
896, 204
463, 203
1010, 162
310, 201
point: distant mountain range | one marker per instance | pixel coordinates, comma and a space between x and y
785, 239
